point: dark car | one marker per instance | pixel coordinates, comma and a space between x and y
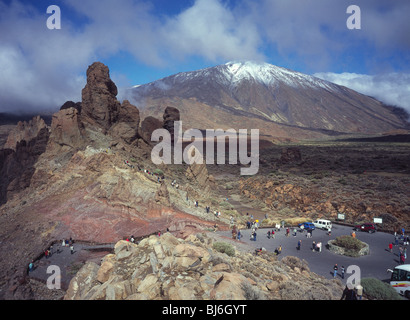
367, 227
307, 225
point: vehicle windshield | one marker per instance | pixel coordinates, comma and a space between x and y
400, 275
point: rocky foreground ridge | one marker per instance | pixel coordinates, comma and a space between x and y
169, 268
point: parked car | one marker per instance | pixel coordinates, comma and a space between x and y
307, 225
367, 227
323, 224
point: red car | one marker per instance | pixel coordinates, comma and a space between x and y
368, 227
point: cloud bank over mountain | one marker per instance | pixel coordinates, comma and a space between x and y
391, 88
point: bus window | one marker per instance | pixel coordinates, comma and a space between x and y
400, 275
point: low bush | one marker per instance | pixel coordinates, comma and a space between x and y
375, 289
349, 243
224, 247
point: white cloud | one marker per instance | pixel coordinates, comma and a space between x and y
391, 88
41, 68
213, 31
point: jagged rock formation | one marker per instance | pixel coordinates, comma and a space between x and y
169, 268
148, 126
127, 123
99, 103
17, 164
71, 104
198, 174
171, 115
25, 131
66, 129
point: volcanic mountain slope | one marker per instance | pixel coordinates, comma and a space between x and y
85, 177
278, 101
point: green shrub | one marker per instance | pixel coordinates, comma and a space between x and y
375, 289
349, 243
224, 247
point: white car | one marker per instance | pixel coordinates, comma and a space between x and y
323, 224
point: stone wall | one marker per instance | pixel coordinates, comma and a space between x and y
342, 251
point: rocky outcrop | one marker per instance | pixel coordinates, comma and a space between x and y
148, 126
171, 115
25, 131
100, 106
198, 174
162, 195
127, 123
66, 129
168, 268
71, 104
17, 165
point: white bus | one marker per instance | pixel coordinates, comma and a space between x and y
400, 279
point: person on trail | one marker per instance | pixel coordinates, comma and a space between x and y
268, 234
273, 234
342, 269
72, 248
319, 246
294, 232
314, 246
239, 235
31, 266
335, 268
278, 250
391, 247
299, 244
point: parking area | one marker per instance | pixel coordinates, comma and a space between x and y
374, 265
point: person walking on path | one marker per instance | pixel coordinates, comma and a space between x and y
72, 248
313, 246
342, 269
391, 247
335, 268
299, 244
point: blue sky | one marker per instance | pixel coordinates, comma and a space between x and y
142, 41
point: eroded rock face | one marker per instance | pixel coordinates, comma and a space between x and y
66, 128
17, 165
148, 126
171, 115
24, 131
99, 103
127, 123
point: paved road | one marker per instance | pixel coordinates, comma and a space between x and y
373, 265
68, 263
